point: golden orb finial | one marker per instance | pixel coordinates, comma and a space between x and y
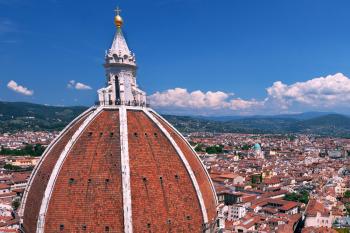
118, 20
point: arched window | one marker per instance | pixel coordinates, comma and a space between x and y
117, 90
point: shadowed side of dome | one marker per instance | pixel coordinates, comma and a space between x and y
87, 194
37, 184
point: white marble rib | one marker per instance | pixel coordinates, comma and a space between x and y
51, 184
125, 170
43, 157
184, 161
180, 135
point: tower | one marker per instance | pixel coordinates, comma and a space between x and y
258, 151
119, 167
120, 65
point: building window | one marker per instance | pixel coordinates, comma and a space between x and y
144, 179
71, 181
107, 228
61, 227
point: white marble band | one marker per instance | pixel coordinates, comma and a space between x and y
51, 184
125, 165
184, 161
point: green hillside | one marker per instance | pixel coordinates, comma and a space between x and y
26, 116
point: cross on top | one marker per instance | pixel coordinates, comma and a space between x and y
118, 10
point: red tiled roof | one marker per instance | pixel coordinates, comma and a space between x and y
315, 207
4, 186
9, 194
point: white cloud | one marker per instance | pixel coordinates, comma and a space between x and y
71, 84
82, 86
333, 90
77, 85
330, 93
240, 104
12, 85
200, 102
180, 97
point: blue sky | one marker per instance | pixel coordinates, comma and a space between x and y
226, 57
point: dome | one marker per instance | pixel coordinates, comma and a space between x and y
257, 147
119, 169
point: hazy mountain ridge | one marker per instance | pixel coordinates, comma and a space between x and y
16, 116
324, 125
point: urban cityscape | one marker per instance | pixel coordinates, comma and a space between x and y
176, 159
264, 183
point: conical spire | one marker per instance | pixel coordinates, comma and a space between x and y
119, 45
119, 53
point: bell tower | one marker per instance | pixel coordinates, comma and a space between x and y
120, 66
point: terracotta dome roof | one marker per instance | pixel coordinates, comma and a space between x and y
119, 169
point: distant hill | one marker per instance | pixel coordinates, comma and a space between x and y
16, 116
27, 116
299, 116
326, 125
323, 125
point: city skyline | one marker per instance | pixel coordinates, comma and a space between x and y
194, 57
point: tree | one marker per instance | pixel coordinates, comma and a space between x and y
302, 196
15, 204
12, 167
347, 194
342, 230
347, 206
199, 147
292, 137
256, 178
217, 149
32, 150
